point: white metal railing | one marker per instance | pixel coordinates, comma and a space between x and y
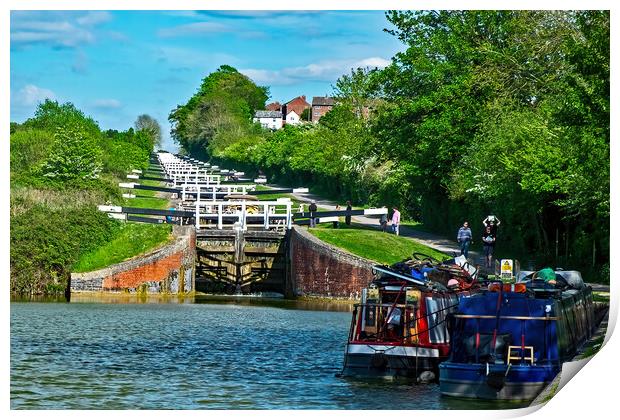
192, 170
265, 214
211, 192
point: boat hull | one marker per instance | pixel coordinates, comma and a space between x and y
389, 361
494, 382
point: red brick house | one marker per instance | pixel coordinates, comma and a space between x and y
321, 105
296, 105
274, 106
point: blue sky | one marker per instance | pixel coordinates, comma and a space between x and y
119, 64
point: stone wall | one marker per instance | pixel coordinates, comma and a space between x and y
321, 270
169, 269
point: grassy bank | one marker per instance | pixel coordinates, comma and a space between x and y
62, 166
373, 244
132, 239
146, 199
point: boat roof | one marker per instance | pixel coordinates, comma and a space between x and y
572, 277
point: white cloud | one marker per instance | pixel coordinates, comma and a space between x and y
65, 29
107, 104
323, 71
198, 28
31, 95
94, 18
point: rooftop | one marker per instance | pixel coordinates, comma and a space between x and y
267, 114
322, 100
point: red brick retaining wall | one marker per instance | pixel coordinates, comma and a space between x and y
319, 269
168, 269
155, 271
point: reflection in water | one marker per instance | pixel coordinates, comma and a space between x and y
211, 353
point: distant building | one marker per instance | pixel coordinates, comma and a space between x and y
269, 119
292, 118
321, 105
274, 106
298, 105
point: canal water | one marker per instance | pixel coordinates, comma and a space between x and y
216, 354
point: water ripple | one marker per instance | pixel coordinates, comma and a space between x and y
190, 356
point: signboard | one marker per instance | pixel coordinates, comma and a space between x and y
506, 268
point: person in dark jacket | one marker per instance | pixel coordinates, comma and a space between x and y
312, 209
347, 217
383, 222
488, 243
464, 238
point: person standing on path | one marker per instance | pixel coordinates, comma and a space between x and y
383, 222
464, 239
347, 217
312, 209
336, 223
493, 222
488, 242
395, 221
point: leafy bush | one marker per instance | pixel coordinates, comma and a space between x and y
75, 155
29, 149
45, 244
121, 155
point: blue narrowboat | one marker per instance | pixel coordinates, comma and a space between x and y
509, 339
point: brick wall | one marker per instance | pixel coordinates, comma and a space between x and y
168, 269
319, 269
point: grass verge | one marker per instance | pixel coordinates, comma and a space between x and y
131, 239
385, 248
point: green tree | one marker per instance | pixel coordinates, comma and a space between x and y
51, 115
75, 155
220, 111
150, 126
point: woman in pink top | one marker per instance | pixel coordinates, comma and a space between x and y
395, 221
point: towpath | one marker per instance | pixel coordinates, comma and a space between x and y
431, 240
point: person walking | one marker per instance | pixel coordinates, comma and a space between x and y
395, 221
347, 217
312, 209
488, 243
464, 239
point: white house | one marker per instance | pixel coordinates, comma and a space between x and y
292, 118
269, 119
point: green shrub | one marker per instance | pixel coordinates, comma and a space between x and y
46, 243
29, 149
75, 155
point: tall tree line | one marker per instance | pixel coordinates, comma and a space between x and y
483, 111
